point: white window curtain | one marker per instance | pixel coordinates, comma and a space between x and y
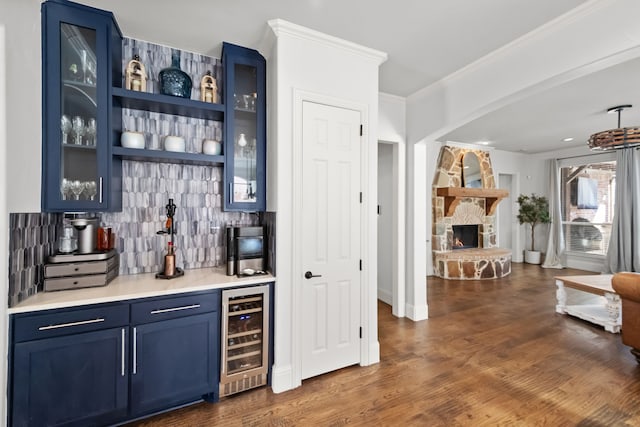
624, 245
555, 240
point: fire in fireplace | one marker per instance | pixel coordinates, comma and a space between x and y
465, 236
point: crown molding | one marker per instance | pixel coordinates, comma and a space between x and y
393, 98
280, 28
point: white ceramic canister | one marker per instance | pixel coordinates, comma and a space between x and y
211, 147
174, 143
130, 139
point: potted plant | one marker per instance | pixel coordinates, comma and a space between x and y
534, 210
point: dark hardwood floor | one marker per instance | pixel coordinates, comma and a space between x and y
492, 353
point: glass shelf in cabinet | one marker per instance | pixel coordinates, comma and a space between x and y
79, 146
245, 110
77, 83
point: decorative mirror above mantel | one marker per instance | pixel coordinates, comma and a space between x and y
463, 174
471, 176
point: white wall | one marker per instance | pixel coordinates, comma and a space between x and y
530, 175
4, 223
307, 62
23, 94
20, 135
392, 121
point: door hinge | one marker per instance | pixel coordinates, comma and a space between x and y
360, 130
360, 332
361, 197
360, 265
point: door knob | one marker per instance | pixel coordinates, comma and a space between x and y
309, 275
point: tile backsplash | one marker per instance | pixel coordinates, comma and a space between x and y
31, 240
156, 126
199, 220
200, 223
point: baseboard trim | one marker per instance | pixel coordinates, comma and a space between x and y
282, 379
417, 313
385, 296
374, 353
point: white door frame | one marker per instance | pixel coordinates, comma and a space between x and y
368, 316
398, 280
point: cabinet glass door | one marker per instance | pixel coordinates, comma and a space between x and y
245, 161
78, 180
245, 128
77, 42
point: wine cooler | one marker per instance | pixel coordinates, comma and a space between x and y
245, 339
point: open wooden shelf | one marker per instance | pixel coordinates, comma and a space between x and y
166, 104
454, 195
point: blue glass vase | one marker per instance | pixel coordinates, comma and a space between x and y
174, 81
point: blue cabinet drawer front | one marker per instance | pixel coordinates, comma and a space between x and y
174, 307
69, 321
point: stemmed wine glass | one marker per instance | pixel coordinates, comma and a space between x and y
91, 132
91, 188
77, 187
65, 127
78, 129
65, 188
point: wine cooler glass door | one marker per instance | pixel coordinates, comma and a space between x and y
245, 339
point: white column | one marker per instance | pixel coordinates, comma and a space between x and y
416, 294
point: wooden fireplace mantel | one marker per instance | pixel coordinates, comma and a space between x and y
454, 195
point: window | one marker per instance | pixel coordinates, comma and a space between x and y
588, 186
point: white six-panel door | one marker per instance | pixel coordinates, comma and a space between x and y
331, 238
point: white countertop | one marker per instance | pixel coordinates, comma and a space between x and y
138, 286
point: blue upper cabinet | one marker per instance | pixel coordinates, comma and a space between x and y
81, 61
245, 129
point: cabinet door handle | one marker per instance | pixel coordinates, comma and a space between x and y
66, 325
168, 310
100, 194
135, 351
231, 193
122, 355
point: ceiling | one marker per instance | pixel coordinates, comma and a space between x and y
576, 109
425, 40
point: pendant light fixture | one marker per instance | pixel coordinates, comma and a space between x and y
615, 138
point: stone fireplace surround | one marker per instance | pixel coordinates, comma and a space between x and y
455, 205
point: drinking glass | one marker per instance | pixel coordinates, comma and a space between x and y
91, 132
77, 187
91, 189
65, 127
78, 129
64, 188
246, 101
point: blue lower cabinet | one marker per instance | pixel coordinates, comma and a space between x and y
73, 380
110, 363
174, 362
